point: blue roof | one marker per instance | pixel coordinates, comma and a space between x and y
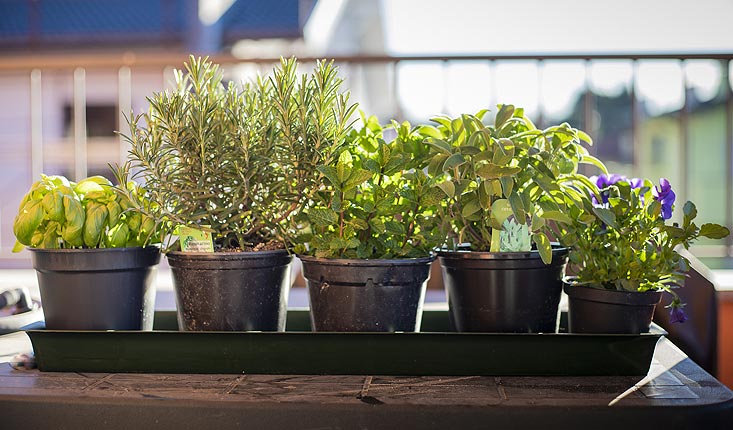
31, 23
259, 19
90, 17
13, 18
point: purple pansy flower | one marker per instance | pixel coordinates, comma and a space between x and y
603, 181
664, 195
677, 315
636, 182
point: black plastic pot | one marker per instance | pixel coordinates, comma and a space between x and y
595, 310
507, 292
97, 289
231, 291
366, 295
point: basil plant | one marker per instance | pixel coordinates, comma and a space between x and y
508, 184
376, 200
58, 213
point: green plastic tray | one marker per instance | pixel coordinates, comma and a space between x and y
434, 351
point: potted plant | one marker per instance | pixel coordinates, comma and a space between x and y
228, 168
369, 233
92, 253
626, 256
508, 186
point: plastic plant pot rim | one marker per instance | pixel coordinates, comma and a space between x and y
557, 251
385, 262
85, 259
228, 260
90, 250
602, 295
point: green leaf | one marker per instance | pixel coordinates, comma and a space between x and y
507, 185
93, 183
94, 224
469, 150
357, 178
585, 137
74, 213
504, 152
343, 167
115, 210
442, 120
454, 160
505, 112
607, 216
358, 224
331, 174
690, 211
543, 246
430, 131
448, 188
435, 168
493, 171
547, 185
27, 221
323, 216
378, 225
371, 165
557, 216
431, 198
441, 145
713, 231
394, 227
117, 236
53, 205
589, 159
520, 215
537, 222
471, 208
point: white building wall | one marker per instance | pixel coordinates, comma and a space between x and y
57, 91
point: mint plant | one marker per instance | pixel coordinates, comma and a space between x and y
508, 170
57, 213
238, 162
377, 201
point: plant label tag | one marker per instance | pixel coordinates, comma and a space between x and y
513, 236
194, 240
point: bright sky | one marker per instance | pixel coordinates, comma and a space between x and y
415, 27
559, 26
476, 26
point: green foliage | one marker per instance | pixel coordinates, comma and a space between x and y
376, 200
238, 161
57, 213
534, 170
629, 246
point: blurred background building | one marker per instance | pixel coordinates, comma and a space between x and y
651, 82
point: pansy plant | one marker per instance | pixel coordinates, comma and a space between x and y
630, 245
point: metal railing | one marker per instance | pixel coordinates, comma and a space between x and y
125, 66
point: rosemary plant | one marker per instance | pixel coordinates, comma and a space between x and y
238, 162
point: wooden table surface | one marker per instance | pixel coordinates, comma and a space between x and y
676, 394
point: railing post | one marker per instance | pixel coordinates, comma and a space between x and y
726, 76
635, 116
36, 125
124, 103
588, 110
80, 124
684, 122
